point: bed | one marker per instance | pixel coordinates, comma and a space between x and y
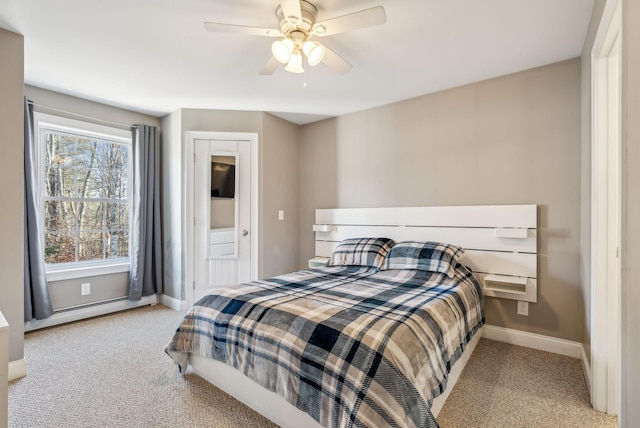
367, 343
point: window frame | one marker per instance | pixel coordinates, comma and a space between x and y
81, 269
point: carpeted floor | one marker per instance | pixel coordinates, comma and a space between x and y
111, 371
512, 386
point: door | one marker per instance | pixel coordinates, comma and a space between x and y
222, 214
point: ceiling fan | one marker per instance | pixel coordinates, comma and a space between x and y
298, 26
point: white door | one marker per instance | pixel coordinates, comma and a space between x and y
222, 214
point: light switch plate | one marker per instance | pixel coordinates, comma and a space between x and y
280, 214
523, 308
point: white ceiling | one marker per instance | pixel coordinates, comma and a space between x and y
154, 56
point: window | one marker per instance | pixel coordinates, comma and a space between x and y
85, 196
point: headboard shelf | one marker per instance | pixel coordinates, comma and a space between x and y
498, 239
493, 216
465, 237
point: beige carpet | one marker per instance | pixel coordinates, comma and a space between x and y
512, 386
112, 372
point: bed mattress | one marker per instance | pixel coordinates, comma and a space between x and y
350, 346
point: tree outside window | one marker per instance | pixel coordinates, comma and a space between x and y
85, 197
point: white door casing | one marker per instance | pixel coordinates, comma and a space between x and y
606, 212
203, 272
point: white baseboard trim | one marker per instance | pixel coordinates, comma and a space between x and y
173, 303
17, 369
532, 340
586, 367
89, 312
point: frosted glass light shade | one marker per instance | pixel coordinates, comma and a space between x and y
295, 64
314, 52
281, 50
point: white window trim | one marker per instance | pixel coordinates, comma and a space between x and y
88, 128
86, 269
65, 271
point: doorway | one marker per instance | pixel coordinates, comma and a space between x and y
606, 212
222, 238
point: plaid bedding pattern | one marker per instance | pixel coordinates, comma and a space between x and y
361, 252
351, 346
431, 256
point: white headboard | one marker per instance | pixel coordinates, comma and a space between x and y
500, 241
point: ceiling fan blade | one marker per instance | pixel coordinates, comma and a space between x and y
335, 61
352, 21
269, 67
241, 29
291, 11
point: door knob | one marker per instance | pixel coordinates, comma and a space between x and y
245, 232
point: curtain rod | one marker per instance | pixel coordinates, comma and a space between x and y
123, 125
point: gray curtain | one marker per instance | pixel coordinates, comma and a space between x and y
146, 241
37, 303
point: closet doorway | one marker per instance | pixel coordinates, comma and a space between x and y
222, 196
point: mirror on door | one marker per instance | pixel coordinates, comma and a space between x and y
223, 207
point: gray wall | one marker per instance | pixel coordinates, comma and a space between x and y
11, 172
222, 212
85, 110
630, 415
66, 293
279, 167
318, 179
172, 164
509, 140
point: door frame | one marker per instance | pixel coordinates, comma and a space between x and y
606, 211
189, 201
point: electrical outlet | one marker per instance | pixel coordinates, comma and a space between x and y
85, 289
523, 308
280, 214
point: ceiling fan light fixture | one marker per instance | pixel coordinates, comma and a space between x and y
298, 24
295, 63
314, 52
282, 49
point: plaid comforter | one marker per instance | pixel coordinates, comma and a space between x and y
350, 346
